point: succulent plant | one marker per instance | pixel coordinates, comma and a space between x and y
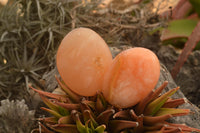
73, 113
95, 110
15, 117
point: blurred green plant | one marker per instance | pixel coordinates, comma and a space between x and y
183, 31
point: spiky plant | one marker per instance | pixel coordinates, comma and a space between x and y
73, 113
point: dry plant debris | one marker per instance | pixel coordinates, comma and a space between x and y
30, 32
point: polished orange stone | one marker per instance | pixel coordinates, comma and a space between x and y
131, 77
82, 58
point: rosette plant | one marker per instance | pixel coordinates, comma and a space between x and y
105, 95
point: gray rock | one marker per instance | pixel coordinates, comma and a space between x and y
188, 78
192, 120
50, 81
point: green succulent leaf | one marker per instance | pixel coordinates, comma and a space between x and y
172, 111
100, 129
65, 120
73, 96
50, 104
82, 128
155, 105
152, 96
63, 111
87, 116
178, 29
53, 112
53, 106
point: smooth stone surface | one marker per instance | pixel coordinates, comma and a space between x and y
132, 75
82, 58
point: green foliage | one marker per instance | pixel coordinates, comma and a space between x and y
89, 115
183, 33
176, 26
175, 34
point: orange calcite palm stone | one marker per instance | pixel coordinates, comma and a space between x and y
82, 58
132, 75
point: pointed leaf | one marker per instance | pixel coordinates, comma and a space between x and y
151, 120
84, 107
172, 111
173, 103
54, 106
140, 127
133, 115
56, 114
50, 104
172, 130
50, 120
154, 127
100, 103
69, 106
63, 111
64, 128
65, 120
100, 129
90, 104
73, 96
81, 128
183, 127
87, 116
152, 95
155, 105
104, 117
117, 125
51, 95
124, 114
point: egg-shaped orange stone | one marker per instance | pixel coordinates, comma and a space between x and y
131, 77
82, 58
